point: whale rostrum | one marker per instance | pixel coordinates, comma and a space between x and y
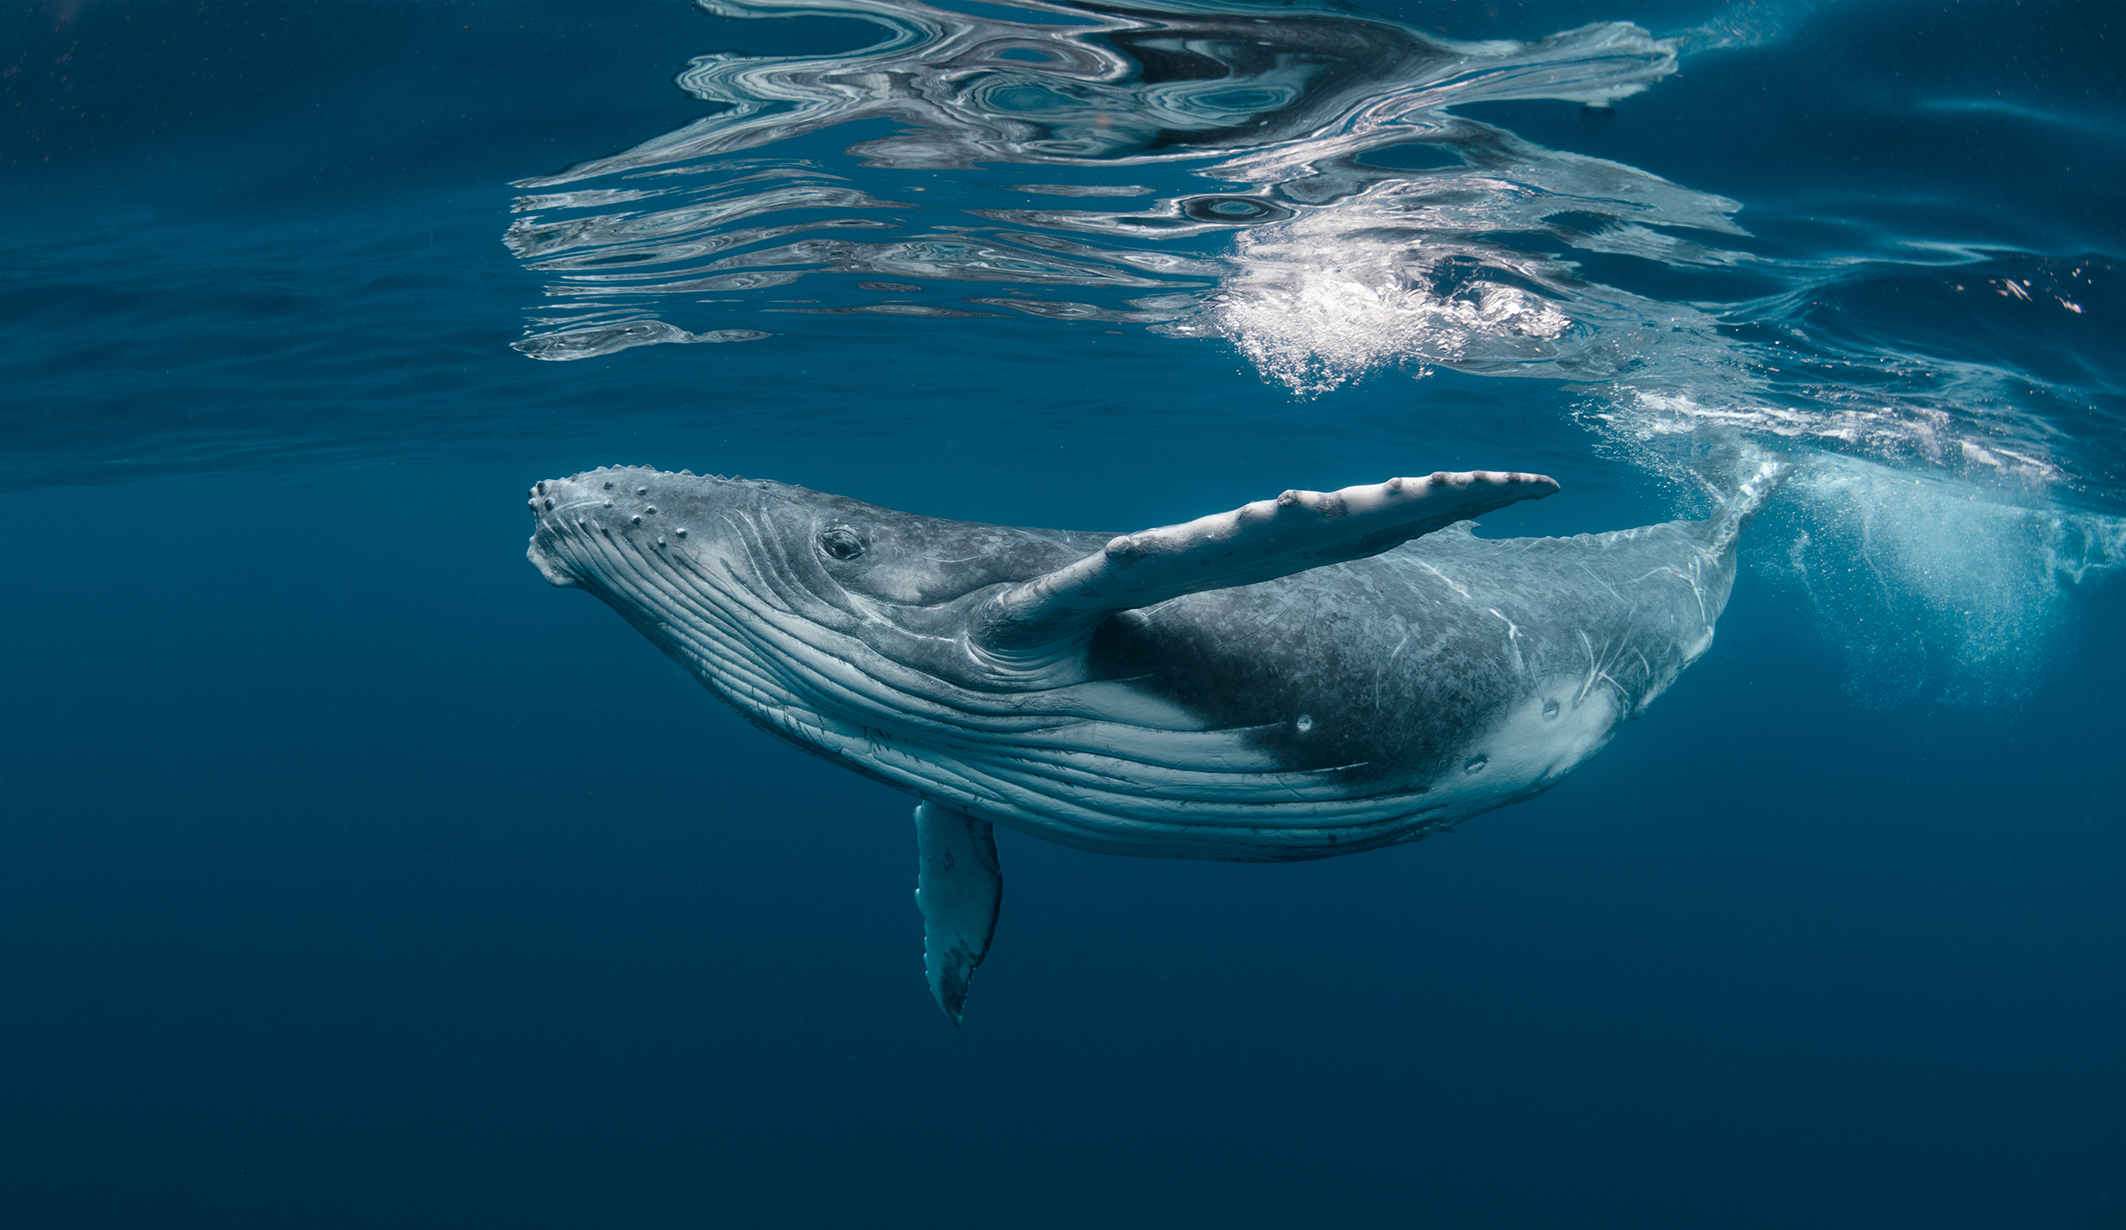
1318, 674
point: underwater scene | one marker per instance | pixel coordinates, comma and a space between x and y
1197, 613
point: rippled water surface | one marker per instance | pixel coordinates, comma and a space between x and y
353, 877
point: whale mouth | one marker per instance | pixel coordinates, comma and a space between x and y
653, 546
556, 503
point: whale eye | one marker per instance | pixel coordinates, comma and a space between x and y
841, 542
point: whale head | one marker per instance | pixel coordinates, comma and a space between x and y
777, 596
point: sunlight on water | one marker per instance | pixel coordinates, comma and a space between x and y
1277, 109
1297, 185
1402, 270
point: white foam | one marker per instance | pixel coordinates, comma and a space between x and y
1641, 421
1320, 301
1934, 589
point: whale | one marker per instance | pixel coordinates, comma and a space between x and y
1316, 674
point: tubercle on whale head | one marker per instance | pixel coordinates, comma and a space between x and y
545, 499
649, 507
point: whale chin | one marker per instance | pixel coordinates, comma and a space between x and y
555, 572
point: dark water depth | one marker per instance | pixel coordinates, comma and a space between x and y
352, 876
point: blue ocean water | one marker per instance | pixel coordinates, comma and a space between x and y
352, 876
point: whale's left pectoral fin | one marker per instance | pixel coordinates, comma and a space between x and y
959, 888
1038, 620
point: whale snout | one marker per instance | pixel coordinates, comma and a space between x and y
558, 507
589, 523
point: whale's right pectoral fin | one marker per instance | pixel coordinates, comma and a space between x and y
1038, 620
960, 889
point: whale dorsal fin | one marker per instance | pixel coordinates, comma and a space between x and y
1036, 621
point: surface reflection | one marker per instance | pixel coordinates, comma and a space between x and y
1297, 184
1280, 109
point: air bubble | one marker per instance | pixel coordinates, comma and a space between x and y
1476, 764
1232, 209
1304, 723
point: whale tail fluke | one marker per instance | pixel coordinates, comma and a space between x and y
1752, 475
1737, 476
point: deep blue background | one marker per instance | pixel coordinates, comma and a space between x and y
349, 876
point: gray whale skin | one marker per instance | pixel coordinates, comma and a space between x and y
1317, 674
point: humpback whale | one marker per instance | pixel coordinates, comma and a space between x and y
1311, 675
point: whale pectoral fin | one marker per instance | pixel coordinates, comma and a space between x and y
1255, 542
959, 888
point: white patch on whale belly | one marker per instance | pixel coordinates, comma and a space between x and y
1538, 742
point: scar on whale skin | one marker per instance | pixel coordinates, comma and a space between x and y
1315, 674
